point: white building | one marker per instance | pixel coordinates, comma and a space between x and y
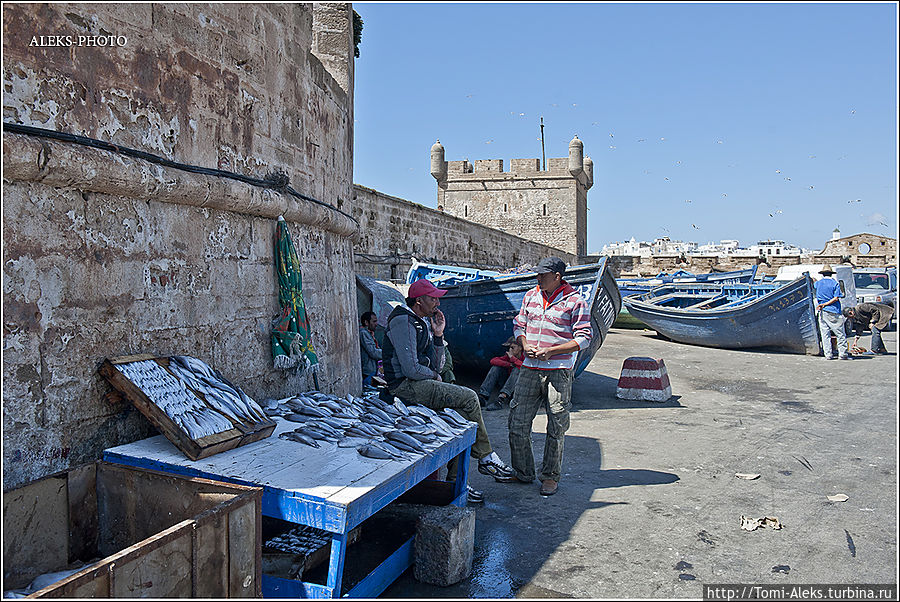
724, 248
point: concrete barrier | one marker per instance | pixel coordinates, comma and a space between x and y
644, 379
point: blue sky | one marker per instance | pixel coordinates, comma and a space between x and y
769, 120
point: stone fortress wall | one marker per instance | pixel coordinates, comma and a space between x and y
106, 255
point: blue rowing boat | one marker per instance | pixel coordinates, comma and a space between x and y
733, 316
479, 312
636, 286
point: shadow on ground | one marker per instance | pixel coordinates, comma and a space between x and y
517, 530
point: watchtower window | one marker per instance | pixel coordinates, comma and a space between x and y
545, 208
504, 207
465, 211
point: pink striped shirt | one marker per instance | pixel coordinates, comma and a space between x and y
563, 318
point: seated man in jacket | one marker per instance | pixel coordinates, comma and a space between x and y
413, 357
873, 315
504, 372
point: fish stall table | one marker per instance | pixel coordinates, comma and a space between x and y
330, 488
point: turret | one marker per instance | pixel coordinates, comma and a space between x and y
438, 165
576, 157
589, 172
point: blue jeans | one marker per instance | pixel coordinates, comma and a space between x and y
498, 376
828, 323
877, 343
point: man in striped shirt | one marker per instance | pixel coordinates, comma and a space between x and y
552, 326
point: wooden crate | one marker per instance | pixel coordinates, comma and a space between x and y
157, 534
194, 449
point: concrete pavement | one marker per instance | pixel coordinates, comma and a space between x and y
649, 506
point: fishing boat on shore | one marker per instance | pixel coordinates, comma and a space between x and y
637, 286
733, 316
479, 312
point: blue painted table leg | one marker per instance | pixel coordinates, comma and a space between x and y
462, 476
336, 565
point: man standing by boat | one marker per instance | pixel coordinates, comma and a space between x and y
553, 324
413, 357
369, 350
828, 306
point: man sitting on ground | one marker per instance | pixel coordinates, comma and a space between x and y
504, 372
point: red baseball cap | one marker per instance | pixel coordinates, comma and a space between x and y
424, 287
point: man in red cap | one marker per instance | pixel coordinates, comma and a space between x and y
413, 356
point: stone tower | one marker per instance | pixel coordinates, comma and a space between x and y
546, 206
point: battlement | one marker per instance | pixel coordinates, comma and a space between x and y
555, 166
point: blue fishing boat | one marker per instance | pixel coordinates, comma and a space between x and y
733, 316
480, 312
636, 286
639, 286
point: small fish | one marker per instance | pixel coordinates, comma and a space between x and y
300, 438
296, 417
422, 411
353, 442
372, 451
401, 407
411, 420
407, 440
316, 412
456, 417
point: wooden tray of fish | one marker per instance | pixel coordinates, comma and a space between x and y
291, 554
194, 406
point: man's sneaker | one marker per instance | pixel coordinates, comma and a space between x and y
493, 466
474, 496
494, 405
846, 357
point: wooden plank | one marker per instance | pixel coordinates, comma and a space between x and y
157, 567
244, 572
35, 530
92, 582
83, 513
386, 573
211, 556
127, 359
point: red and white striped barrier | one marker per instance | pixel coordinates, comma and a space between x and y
644, 379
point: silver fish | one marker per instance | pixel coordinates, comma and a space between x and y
373, 451
300, 438
401, 437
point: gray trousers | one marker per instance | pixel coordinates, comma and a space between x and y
828, 323
552, 390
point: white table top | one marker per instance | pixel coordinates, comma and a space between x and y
337, 475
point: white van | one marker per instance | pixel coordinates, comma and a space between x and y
842, 273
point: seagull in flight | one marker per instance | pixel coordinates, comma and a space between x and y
724, 195
695, 226
642, 139
612, 147
777, 171
687, 200
787, 179
856, 201
811, 187
666, 179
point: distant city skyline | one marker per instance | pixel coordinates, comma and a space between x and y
748, 121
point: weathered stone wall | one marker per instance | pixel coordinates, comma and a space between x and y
393, 230
106, 255
882, 250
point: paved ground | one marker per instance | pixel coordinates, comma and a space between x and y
649, 505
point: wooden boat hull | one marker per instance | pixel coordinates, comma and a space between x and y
783, 318
479, 313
